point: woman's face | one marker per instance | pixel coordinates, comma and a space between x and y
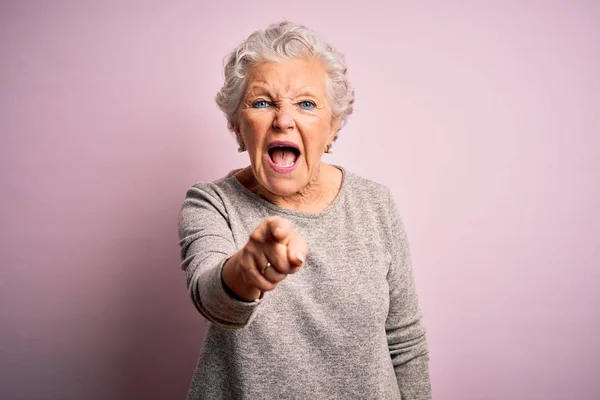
285, 121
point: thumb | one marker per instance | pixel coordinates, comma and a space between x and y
297, 250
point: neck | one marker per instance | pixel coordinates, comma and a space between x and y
320, 191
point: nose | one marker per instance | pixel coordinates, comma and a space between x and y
283, 120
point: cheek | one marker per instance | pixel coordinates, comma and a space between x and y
314, 148
317, 132
253, 130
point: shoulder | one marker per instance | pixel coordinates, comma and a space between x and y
373, 205
206, 198
217, 191
367, 191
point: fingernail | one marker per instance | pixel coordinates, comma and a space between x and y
300, 256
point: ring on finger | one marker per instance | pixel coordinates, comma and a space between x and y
263, 269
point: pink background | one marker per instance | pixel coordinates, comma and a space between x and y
483, 119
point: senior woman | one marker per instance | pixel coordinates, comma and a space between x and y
301, 268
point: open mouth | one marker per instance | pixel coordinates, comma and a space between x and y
283, 155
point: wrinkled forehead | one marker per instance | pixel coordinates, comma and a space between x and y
287, 78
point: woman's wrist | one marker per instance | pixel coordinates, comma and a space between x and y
234, 285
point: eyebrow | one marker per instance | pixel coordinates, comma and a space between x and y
306, 91
263, 87
258, 87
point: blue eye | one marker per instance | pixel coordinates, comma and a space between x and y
260, 104
307, 105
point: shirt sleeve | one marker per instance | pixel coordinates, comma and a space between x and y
405, 332
206, 243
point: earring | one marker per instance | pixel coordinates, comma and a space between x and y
328, 149
242, 147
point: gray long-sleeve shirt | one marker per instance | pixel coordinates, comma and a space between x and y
346, 326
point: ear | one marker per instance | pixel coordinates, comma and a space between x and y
235, 127
335, 128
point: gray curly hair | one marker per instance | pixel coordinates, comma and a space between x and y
284, 41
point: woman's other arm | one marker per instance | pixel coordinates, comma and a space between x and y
405, 333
